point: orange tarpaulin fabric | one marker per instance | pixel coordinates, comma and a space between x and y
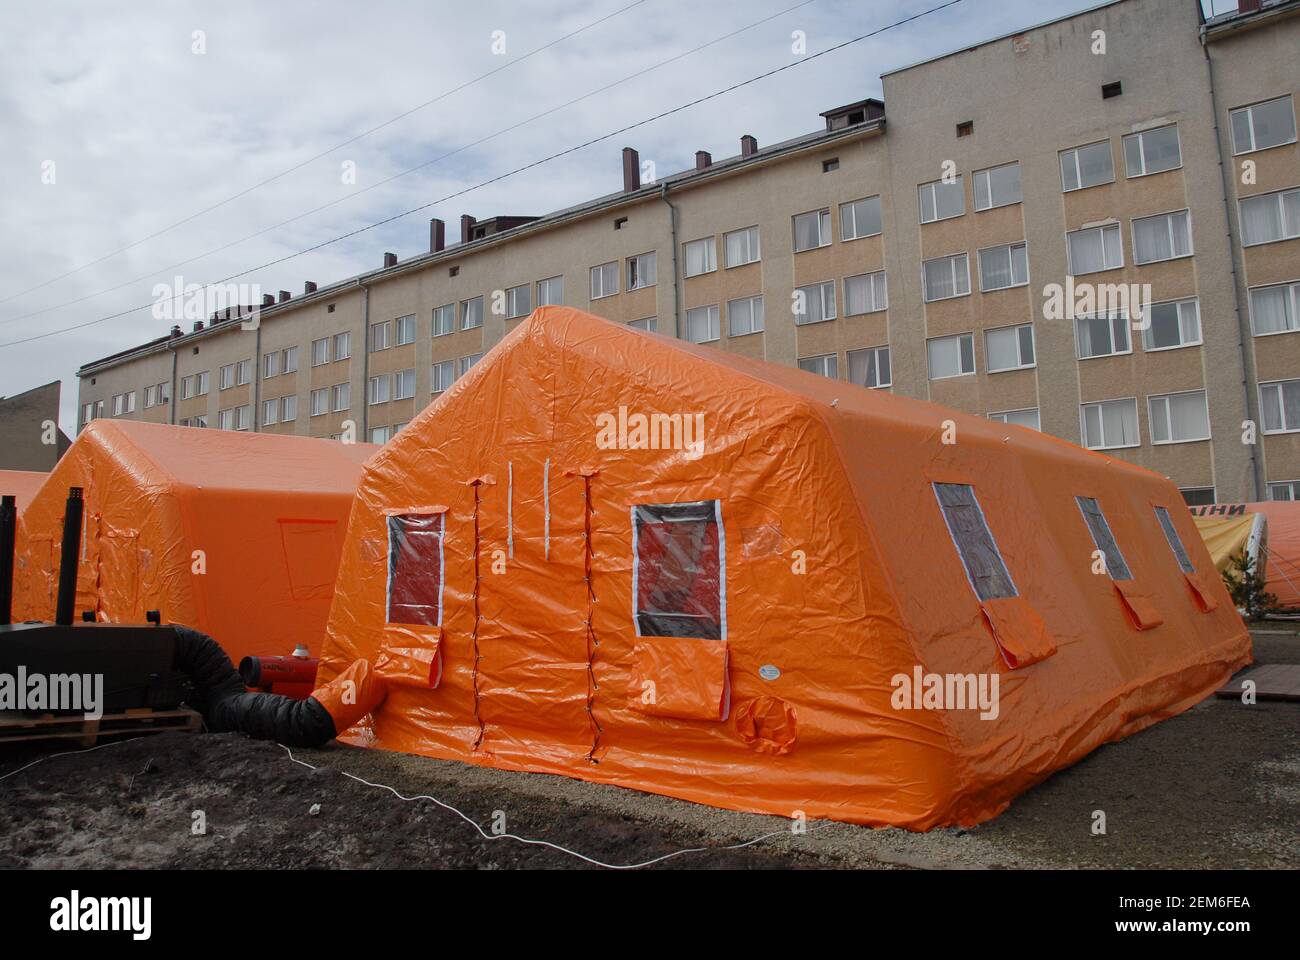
1227, 528
21, 485
235, 534
775, 551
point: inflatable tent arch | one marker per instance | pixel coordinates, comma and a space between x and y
727, 622
262, 515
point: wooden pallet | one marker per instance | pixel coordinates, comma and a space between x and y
16, 727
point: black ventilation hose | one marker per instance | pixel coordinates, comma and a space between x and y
219, 695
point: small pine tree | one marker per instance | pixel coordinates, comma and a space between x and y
1247, 587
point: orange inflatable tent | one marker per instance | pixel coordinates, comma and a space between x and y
235, 534
22, 485
629, 559
1277, 547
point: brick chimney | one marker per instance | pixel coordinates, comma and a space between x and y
198, 325
703, 159
437, 235
748, 146
267, 301
284, 296
309, 287
390, 259
466, 227
631, 170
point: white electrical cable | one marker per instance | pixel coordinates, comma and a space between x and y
545, 843
66, 753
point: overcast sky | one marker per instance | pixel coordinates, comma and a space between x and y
137, 130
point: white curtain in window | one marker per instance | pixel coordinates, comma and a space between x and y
1119, 423
1160, 238
1003, 348
1189, 418
1261, 219
1086, 252
1271, 310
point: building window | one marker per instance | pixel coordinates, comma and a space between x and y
951, 356
320, 351
1280, 403
1110, 424
403, 384
604, 280
941, 201
1009, 348
164, 393
379, 435
831, 165
965, 128
290, 360
1263, 125
997, 186
1094, 249
226, 377
1275, 309
1164, 237
201, 384
865, 294
679, 570
860, 218
550, 292
700, 256
812, 230
342, 346
444, 319
405, 330
399, 427
1004, 266
243, 417
1103, 539
1179, 417
464, 364
1172, 324
1270, 216
649, 324
270, 365
149, 393
270, 412
1027, 417
1113, 89
744, 316
471, 313
378, 389
119, 404
340, 397
641, 271
200, 420
741, 246
1284, 490
1198, 496
827, 365
1152, 151
870, 367
985, 569
243, 372
225, 419
187, 387
320, 401
288, 408
814, 303
444, 375
945, 277
87, 413
1087, 166
702, 325
379, 333
1101, 335
519, 301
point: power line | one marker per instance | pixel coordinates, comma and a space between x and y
338, 146
510, 173
397, 176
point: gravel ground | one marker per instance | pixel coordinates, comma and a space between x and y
1217, 786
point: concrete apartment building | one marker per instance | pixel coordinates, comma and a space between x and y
910, 245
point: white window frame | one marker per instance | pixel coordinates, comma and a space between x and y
752, 240
1021, 365
380, 336
323, 395
1249, 109
1112, 317
1004, 416
243, 372
1280, 197
1293, 298
401, 377
226, 376
467, 308
1148, 326
600, 274
289, 360
1157, 399
1141, 136
873, 355
952, 258
408, 324
343, 389
870, 279
1169, 230
849, 216
1281, 405
271, 364
514, 308
289, 408
202, 384
712, 323
820, 288
273, 406
466, 363
187, 387
544, 291
921, 190
443, 319
320, 352
636, 264
379, 389
1010, 248
1292, 490
988, 187
1078, 170
753, 318
1101, 423
435, 377
710, 248
341, 344
824, 238
1101, 231
959, 337
823, 365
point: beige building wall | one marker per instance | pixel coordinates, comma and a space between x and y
1025, 98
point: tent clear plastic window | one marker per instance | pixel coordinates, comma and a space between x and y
1175, 541
1104, 539
970, 532
678, 572
415, 569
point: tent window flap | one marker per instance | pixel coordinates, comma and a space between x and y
678, 570
415, 569
970, 533
1175, 541
1103, 538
